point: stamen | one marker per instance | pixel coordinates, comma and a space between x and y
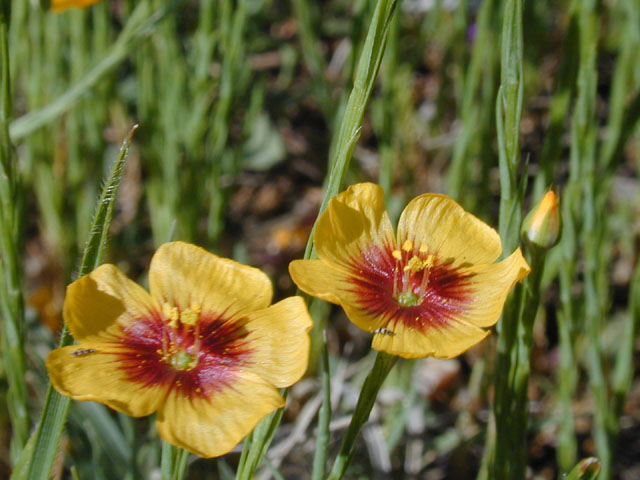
191, 315
427, 264
423, 248
414, 265
397, 254
407, 246
171, 314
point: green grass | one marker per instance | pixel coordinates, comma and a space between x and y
245, 110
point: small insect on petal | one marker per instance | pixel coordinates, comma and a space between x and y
383, 331
82, 352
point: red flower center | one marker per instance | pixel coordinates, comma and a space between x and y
409, 285
196, 359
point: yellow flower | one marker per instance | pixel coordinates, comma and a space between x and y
432, 289
204, 349
60, 5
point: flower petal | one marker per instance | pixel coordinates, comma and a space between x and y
91, 371
279, 341
489, 287
440, 224
445, 341
182, 274
212, 426
354, 219
59, 5
100, 299
331, 283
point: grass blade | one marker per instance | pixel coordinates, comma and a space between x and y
56, 406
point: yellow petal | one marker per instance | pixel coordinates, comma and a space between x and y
77, 372
448, 341
184, 275
446, 230
331, 283
490, 285
279, 341
212, 426
98, 300
353, 220
59, 5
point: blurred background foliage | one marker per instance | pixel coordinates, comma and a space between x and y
238, 102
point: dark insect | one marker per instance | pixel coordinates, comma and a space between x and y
82, 352
384, 331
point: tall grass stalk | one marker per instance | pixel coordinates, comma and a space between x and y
504, 452
12, 306
54, 413
348, 134
139, 25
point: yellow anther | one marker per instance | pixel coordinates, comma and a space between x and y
172, 314
429, 261
407, 246
424, 248
397, 254
189, 316
414, 265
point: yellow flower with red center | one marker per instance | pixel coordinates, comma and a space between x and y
60, 5
204, 349
432, 289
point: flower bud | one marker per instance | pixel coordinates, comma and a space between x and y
541, 227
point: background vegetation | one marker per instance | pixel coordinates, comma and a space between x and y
240, 106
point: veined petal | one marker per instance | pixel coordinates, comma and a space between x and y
92, 371
353, 220
489, 286
334, 284
98, 300
59, 5
211, 426
443, 341
279, 341
182, 274
441, 225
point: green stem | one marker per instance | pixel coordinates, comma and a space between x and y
173, 463
54, 414
512, 375
324, 416
139, 26
381, 368
12, 307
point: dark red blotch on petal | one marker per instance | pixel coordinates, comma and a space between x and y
375, 271
218, 345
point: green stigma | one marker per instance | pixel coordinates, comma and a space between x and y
181, 361
408, 299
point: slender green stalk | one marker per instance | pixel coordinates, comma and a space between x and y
54, 414
508, 113
234, 51
513, 330
138, 26
381, 368
12, 306
350, 128
173, 464
324, 416
470, 113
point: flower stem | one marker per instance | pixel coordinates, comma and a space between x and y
11, 301
381, 368
174, 462
512, 376
324, 416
